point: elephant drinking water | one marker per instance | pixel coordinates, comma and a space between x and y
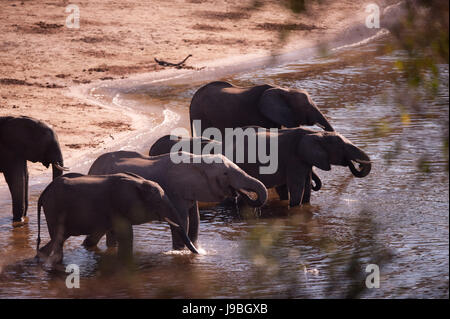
297, 152
76, 204
206, 178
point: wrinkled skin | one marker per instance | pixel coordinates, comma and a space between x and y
185, 183
25, 139
298, 151
222, 105
197, 145
77, 204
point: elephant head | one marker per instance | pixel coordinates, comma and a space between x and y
323, 149
292, 108
32, 140
226, 179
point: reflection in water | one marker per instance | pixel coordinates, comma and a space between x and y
397, 217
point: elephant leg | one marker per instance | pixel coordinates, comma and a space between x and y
296, 186
26, 191
282, 192
16, 180
177, 241
45, 251
194, 224
124, 232
58, 252
111, 240
56, 248
307, 190
93, 239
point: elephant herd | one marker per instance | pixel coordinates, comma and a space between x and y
127, 188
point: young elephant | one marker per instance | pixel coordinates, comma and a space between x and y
76, 204
164, 145
207, 178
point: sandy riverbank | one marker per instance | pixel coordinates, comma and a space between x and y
40, 58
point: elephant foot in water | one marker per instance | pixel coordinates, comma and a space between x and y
21, 222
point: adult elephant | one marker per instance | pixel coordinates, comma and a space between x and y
222, 105
76, 204
297, 152
197, 145
186, 178
25, 139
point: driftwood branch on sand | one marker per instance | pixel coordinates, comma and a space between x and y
178, 65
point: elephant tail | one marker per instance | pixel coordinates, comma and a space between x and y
39, 206
39, 223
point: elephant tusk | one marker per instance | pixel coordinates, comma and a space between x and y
171, 222
363, 161
61, 168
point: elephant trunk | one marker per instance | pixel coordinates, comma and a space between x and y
363, 171
365, 165
183, 236
54, 156
58, 169
324, 124
171, 216
187, 241
317, 182
252, 185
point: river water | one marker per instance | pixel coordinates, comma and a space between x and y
396, 218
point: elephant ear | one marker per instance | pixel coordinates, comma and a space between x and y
25, 137
275, 106
310, 149
146, 189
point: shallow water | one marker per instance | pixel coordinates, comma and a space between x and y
397, 217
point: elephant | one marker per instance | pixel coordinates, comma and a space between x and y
222, 105
76, 204
164, 145
299, 149
206, 178
25, 139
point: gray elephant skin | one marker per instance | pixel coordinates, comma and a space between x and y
164, 145
206, 178
222, 105
25, 139
76, 204
299, 150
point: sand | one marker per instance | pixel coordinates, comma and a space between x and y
41, 58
